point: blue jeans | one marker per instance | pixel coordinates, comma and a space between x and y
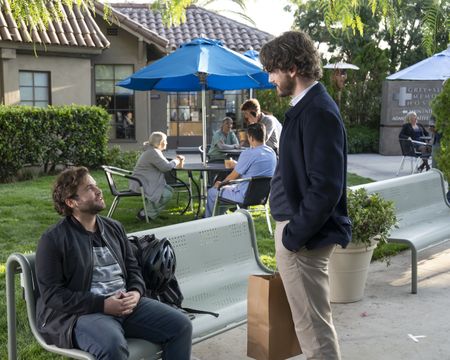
228, 192
104, 335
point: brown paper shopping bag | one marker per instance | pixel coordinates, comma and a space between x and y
270, 329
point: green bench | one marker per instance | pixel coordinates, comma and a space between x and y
215, 256
422, 210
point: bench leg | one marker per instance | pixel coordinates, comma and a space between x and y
11, 268
413, 270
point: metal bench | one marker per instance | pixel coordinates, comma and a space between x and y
422, 210
215, 256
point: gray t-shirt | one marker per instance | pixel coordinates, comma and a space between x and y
107, 276
273, 131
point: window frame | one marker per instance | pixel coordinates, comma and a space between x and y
114, 110
33, 87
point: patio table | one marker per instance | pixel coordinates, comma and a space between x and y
202, 168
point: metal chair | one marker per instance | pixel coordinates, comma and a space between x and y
257, 194
110, 171
409, 149
179, 186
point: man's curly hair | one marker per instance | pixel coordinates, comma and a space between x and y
66, 186
289, 49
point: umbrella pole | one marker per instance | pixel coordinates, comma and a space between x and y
205, 179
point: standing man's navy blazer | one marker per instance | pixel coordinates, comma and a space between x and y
313, 150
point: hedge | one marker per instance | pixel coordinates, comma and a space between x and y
362, 139
59, 135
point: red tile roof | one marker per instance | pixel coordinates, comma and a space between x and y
199, 23
78, 28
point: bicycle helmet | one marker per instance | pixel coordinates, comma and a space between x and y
159, 263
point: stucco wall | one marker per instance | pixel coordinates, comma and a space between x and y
70, 77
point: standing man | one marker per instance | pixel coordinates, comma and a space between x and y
251, 110
308, 197
91, 285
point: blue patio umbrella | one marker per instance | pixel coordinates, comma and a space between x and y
200, 65
252, 54
436, 67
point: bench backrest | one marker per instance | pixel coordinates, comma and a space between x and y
412, 194
213, 253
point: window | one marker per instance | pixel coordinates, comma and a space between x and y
184, 114
118, 101
34, 88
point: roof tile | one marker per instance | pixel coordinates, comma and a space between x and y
199, 22
74, 30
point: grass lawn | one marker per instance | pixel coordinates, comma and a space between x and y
26, 211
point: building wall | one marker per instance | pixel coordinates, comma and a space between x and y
399, 98
70, 77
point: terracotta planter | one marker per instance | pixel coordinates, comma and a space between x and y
348, 270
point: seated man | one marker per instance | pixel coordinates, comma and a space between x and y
259, 160
223, 139
91, 284
251, 110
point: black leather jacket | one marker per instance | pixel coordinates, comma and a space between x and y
64, 266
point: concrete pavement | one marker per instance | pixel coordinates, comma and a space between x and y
378, 326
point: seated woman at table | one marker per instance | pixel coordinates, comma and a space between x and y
412, 130
223, 139
150, 169
259, 160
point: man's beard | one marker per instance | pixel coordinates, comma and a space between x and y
286, 86
93, 207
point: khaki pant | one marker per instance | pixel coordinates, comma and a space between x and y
305, 278
154, 208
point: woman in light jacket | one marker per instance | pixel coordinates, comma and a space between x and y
150, 169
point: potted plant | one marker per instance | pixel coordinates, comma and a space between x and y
372, 218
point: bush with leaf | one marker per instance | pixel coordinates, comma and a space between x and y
441, 110
122, 159
372, 216
47, 137
362, 139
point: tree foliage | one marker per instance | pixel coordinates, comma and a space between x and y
39, 13
378, 51
441, 110
173, 11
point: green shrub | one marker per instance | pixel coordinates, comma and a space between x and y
362, 139
122, 159
51, 136
371, 216
441, 110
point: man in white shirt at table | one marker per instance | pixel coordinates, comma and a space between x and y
259, 160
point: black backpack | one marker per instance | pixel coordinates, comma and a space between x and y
157, 260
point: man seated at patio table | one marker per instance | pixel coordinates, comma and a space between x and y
223, 139
259, 160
